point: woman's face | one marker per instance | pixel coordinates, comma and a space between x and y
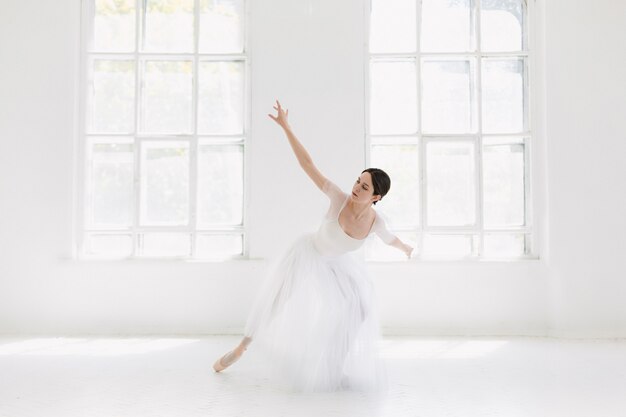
363, 191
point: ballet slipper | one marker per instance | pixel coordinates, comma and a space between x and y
228, 359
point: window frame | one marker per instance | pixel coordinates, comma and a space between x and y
82, 139
420, 139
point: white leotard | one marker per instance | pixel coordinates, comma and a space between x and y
330, 239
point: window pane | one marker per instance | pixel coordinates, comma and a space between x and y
116, 246
218, 246
503, 185
455, 36
393, 26
449, 246
166, 101
221, 26
447, 96
221, 97
164, 183
220, 185
503, 140
168, 25
400, 162
389, 140
165, 244
158, 109
451, 185
503, 95
501, 25
447, 26
377, 250
112, 98
114, 26
393, 101
110, 185
503, 245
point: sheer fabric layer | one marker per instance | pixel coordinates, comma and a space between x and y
315, 321
314, 318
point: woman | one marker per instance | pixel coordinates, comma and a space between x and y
314, 315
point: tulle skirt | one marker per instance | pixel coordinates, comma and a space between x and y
315, 321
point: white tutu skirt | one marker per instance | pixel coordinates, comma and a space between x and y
315, 322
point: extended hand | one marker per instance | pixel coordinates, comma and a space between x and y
407, 251
281, 117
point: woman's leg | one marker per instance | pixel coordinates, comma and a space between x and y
245, 341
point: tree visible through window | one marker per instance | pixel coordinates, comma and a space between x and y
163, 132
448, 119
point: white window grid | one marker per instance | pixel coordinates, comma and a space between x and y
193, 139
421, 139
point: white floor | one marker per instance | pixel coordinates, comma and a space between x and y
162, 376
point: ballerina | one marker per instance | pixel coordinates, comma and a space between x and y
314, 314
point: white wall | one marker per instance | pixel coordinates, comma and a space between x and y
586, 132
310, 56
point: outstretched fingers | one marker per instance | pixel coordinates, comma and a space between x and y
281, 112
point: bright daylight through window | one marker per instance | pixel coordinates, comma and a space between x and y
448, 118
162, 138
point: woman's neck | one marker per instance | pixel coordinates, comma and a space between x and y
358, 210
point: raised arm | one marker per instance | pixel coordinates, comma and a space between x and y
304, 159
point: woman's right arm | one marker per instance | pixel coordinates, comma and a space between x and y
304, 159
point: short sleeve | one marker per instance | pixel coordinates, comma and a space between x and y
381, 230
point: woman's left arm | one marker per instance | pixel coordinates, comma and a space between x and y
397, 243
389, 238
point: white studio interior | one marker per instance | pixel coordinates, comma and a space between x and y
467, 330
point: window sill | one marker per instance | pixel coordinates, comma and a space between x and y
243, 259
460, 261
153, 260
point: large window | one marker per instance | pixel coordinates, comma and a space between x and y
448, 119
162, 138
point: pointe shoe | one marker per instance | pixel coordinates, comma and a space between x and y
228, 359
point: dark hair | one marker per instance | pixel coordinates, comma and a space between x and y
380, 181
